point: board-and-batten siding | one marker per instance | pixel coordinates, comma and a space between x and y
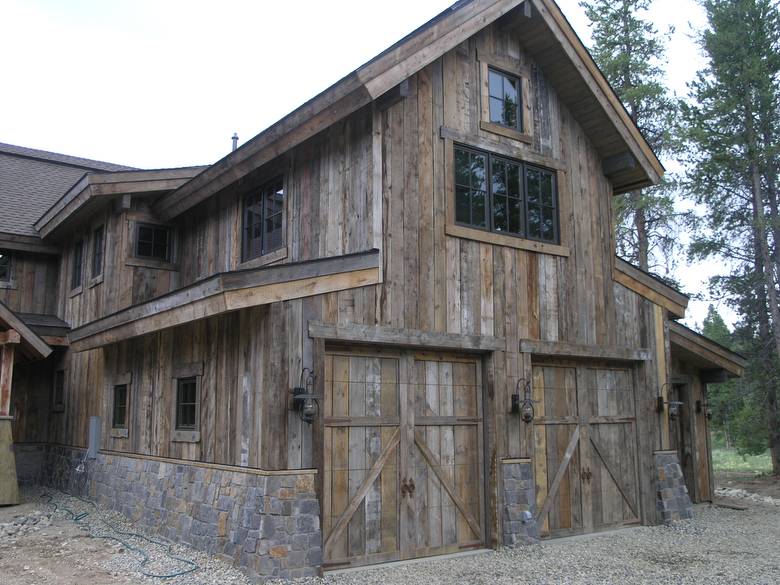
34, 284
432, 281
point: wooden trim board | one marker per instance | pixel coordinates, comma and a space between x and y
652, 289
562, 349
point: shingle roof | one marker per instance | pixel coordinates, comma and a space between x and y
32, 180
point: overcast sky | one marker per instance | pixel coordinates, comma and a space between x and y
165, 83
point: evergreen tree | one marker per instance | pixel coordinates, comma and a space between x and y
732, 128
630, 53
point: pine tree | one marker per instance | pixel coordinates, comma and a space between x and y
732, 129
630, 52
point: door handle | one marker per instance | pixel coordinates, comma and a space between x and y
411, 487
407, 487
586, 474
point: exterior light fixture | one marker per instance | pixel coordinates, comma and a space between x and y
704, 407
525, 408
674, 409
305, 402
673, 405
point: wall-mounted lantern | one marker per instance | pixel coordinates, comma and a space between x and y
704, 407
525, 408
305, 402
673, 405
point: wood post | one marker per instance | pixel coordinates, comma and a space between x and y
9, 489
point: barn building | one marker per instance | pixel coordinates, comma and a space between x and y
392, 325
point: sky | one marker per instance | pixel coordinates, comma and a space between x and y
166, 83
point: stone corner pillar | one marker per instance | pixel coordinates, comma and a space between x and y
9, 488
673, 502
518, 511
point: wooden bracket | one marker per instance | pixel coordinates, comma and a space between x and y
612, 165
398, 93
10, 337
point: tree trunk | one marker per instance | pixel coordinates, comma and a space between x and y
764, 262
640, 223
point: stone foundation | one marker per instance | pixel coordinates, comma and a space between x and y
519, 507
672, 502
265, 523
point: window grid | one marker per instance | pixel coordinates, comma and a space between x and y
521, 199
97, 251
5, 267
154, 242
264, 220
59, 389
186, 404
78, 265
504, 96
119, 415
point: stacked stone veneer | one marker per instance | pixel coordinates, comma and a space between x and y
519, 503
673, 502
266, 524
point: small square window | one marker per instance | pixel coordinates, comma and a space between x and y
187, 404
77, 268
119, 414
153, 242
98, 236
58, 392
504, 95
5, 267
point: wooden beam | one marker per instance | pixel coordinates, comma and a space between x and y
573, 350
6, 376
650, 288
396, 94
618, 162
413, 338
230, 291
31, 343
32, 244
9, 337
708, 350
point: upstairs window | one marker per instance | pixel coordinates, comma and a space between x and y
187, 404
98, 237
77, 268
58, 392
504, 96
5, 268
264, 220
119, 414
153, 242
502, 195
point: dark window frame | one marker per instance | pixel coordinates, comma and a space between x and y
525, 204
192, 406
77, 266
6, 268
506, 76
123, 408
156, 229
98, 250
58, 391
255, 235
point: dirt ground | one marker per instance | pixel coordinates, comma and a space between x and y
59, 552
764, 485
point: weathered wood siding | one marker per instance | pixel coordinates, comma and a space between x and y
34, 288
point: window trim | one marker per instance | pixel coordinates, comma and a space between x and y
10, 282
490, 227
186, 372
76, 288
120, 380
55, 405
157, 227
275, 254
454, 229
513, 68
132, 222
97, 277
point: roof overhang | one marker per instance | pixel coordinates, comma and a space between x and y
627, 158
93, 188
32, 346
650, 287
704, 353
32, 244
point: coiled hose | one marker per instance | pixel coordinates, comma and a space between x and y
79, 517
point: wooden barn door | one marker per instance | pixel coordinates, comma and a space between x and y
402, 457
585, 457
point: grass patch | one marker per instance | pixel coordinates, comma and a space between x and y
729, 460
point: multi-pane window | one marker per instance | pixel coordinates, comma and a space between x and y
504, 97
119, 415
502, 195
58, 399
77, 267
187, 404
98, 235
264, 220
153, 242
5, 267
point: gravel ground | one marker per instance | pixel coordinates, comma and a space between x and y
41, 546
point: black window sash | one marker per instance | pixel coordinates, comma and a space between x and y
78, 262
119, 416
98, 236
523, 169
506, 78
5, 267
263, 219
186, 404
